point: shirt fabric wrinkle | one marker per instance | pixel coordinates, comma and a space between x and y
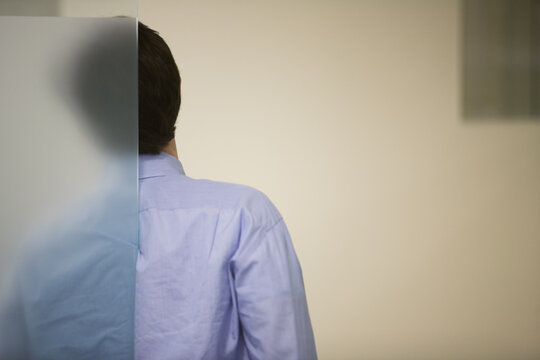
205, 226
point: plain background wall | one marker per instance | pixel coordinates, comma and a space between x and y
418, 232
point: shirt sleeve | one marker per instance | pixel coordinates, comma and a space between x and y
270, 294
13, 335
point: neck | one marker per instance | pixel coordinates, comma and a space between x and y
171, 149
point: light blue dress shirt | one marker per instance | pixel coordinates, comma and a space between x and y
217, 275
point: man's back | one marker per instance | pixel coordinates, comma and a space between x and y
217, 276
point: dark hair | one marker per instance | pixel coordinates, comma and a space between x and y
159, 92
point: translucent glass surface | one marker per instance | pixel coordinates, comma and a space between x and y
68, 190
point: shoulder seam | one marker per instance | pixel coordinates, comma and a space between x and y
273, 225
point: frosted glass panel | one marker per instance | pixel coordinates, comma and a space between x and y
68, 190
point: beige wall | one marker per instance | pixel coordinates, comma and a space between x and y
418, 233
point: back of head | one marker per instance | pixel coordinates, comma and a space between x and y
159, 92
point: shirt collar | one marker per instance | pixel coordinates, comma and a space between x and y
161, 164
